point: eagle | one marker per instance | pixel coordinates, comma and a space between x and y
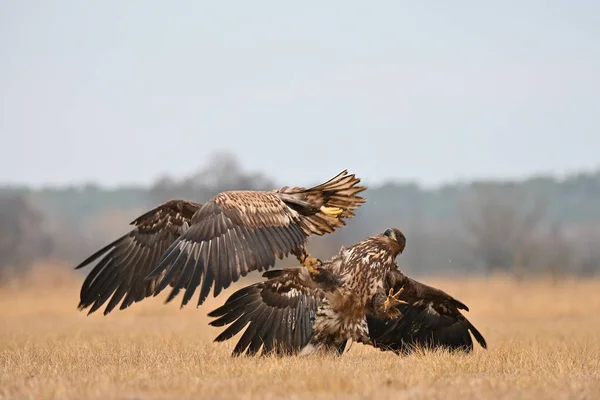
302, 311
427, 317
360, 294
184, 244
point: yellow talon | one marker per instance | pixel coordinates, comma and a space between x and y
389, 304
393, 299
311, 264
333, 211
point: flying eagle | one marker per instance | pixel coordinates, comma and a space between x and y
185, 244
302, 311
358, 294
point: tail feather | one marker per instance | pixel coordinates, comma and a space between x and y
478, 336
324, 207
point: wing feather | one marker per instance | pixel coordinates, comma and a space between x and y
276, 312
259, 338
208, 271
124, 263
249, 247
238, 232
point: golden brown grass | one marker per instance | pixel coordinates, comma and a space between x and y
544, 342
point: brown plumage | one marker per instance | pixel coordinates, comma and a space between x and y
242, 231
430, 319
298, 311
130, 258
281, 311
359, 294
232, 234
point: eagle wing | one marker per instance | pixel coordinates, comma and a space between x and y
237, 232
125, 262
280, 312
432, 318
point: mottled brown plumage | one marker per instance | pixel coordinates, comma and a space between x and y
185, 245
360, 294
304, 312
280, 311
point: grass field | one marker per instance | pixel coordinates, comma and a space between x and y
544, 342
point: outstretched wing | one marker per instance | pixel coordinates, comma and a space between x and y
431, 319
280, 313
237, 232
126, 262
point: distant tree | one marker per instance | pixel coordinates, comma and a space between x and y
590, 263
557, 251
222, 172
498, 225
22, 236
501, 221
585, 251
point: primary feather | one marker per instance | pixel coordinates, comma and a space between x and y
124, 263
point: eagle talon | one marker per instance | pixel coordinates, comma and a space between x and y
332, 211
392, 300
312, 264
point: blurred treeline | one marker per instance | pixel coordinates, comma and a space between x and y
540, 225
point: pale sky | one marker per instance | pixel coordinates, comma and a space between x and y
124, 92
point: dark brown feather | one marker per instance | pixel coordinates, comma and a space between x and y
124, 263
278, 313
431, 319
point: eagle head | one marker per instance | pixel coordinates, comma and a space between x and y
397, 236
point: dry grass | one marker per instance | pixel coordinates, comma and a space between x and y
544, 342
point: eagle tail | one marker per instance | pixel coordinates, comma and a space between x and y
324, 207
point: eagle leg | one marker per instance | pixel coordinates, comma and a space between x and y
332, 211
307, 261
312, 264
389, 309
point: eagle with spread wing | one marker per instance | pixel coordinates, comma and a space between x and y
359, 294
299, 311
184, 245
